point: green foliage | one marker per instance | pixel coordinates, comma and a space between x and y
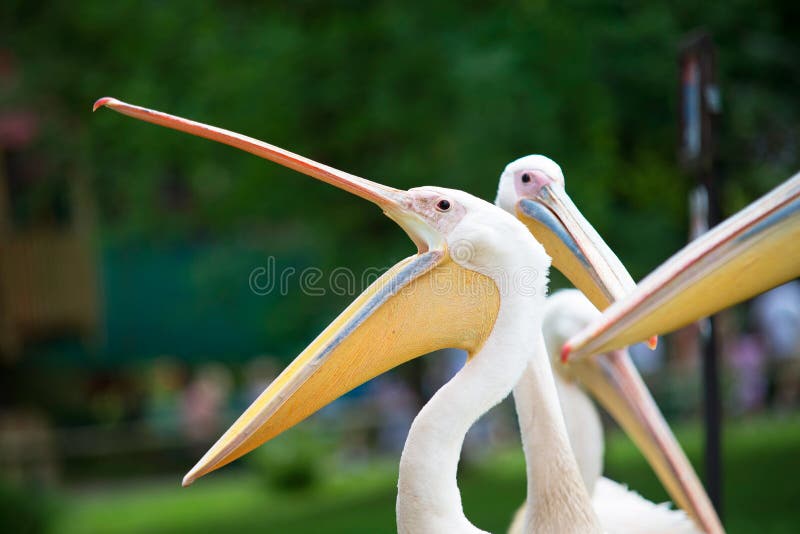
408, 93
759, 459
292, 463
25, 510
426, 94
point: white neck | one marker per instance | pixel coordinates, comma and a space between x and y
584, 428
428, 499
557, 498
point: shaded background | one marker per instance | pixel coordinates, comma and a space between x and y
129, 331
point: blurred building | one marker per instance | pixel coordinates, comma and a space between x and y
47, 269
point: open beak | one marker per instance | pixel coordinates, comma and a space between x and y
424, 303
749, 253
614, 381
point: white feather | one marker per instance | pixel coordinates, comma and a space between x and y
491, 241
620, 510
623, 511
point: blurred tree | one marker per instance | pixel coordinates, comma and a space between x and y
430, 93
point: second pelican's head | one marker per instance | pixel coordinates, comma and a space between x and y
532, 188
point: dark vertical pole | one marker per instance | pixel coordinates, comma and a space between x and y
700, 108
712, 409
712, 403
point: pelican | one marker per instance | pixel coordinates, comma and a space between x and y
477, 283
749, 253
532, 188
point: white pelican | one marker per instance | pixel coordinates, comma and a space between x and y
532, 188
750, 252
462, 289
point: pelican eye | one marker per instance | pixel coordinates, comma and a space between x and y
526, 178
443, 205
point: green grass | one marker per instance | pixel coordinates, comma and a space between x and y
761, 467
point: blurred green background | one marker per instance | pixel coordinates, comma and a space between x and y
142, 242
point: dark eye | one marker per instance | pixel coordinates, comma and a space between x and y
526, 178
443, 205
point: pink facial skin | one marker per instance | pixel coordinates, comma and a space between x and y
528, 182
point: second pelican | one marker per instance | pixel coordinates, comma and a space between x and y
532, 188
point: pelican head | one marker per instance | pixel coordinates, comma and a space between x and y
532, 188
447, 295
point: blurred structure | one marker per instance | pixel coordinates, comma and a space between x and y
748, 362
27, 448
777, 315
395, 405
700, 108
204, 403
47, 271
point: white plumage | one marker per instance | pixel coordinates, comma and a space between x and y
620, 510
428, 499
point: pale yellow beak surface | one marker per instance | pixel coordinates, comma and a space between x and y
614, 381
751, 252
424, 303
576, 248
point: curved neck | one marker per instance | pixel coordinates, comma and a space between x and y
584, 429
557, 498
428, 499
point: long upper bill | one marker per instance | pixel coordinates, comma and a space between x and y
749, 253
394, 202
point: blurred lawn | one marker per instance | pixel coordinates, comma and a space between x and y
761, 467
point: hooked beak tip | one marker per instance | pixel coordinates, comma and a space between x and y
105, 101
565, 350
652, 343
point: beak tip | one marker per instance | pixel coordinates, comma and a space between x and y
194, 473
105, 101
652, 343
565, 351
